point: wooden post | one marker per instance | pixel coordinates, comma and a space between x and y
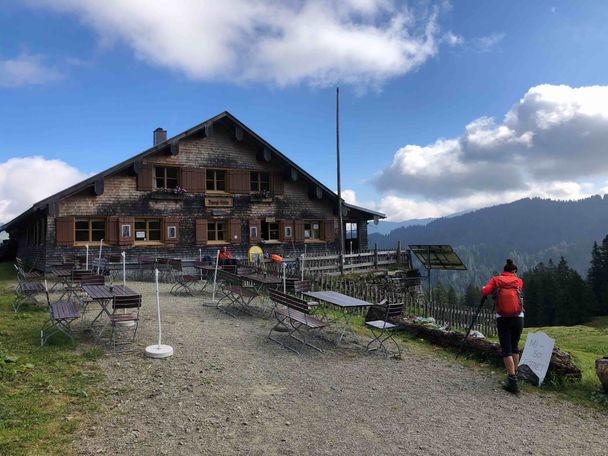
375, 256
398, 253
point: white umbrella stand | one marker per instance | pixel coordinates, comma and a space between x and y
159, 350
124, 268
86, 261
99, 259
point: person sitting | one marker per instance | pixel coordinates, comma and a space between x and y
226, 257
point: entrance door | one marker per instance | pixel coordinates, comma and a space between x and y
352, 237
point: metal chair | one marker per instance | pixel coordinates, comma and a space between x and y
26, 290
382, 330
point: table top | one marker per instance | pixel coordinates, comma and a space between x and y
260, 278
107, 292
62, 272
338, 299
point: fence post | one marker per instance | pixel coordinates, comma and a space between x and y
375, 256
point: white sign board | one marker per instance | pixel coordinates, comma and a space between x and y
537, 354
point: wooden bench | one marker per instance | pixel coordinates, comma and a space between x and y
235, 293
294, 317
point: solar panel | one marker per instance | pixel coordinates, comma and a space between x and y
438, 257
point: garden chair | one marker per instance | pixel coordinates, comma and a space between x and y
61, 315
382, 330
125, 309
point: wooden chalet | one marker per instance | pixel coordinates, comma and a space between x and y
215, 184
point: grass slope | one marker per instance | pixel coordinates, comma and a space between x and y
585, 343
44, 393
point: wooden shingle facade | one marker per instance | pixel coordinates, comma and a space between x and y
216, 184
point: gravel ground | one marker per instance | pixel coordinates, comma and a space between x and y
227, 390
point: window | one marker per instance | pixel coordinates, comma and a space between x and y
260, 182
288, 232
165, 177
147, 230
171, 232
89, 230
270, 231
216, 180
216, 231
351, 231
312, 230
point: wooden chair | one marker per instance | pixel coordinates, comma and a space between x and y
184, 283
26, 290
125, 309
382, 330
61, 315
90, 279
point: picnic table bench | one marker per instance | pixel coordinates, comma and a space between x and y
236, 293
293, 317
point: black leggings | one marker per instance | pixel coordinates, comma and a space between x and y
509, 332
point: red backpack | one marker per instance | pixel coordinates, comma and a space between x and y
508, 296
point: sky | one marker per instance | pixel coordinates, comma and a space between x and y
445, 106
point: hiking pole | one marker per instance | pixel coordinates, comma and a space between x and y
464, 341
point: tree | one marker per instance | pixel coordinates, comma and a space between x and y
597, 277
472, 296
452, 297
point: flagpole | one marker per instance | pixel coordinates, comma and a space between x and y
340, 222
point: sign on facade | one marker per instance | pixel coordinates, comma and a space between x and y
218, 201
537, 354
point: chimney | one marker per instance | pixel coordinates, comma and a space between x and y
160, 136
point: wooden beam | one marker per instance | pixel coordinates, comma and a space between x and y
53, 208
174, 150
137, 166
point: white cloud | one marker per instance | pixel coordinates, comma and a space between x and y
27, 70
24, 181
307, 41
349, 196
547, 145
488, 42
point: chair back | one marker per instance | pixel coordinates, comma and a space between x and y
175, 265
393, 310
302, 286
92, 279
126, 302
78, 274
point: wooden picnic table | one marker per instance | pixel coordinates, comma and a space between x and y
342, 302
103, 295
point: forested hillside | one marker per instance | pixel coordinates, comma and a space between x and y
529, 231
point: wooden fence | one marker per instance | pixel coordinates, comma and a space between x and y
376, 289
354, 262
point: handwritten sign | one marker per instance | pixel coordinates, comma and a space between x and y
218, 201
537, 354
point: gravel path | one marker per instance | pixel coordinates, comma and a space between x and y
228, 391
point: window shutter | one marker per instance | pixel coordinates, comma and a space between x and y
167, 223
235, 231
144, 178
258, 228
299, 230
112, 230
277, 185
64, 231
124, 240
282, 225
238, 180
192, 179
201, 231
329, 228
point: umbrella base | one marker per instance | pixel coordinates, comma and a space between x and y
159, 351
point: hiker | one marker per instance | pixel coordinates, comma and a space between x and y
506, 290
226, 257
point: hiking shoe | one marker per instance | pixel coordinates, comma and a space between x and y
511, 385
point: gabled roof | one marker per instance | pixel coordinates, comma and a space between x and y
206, 126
